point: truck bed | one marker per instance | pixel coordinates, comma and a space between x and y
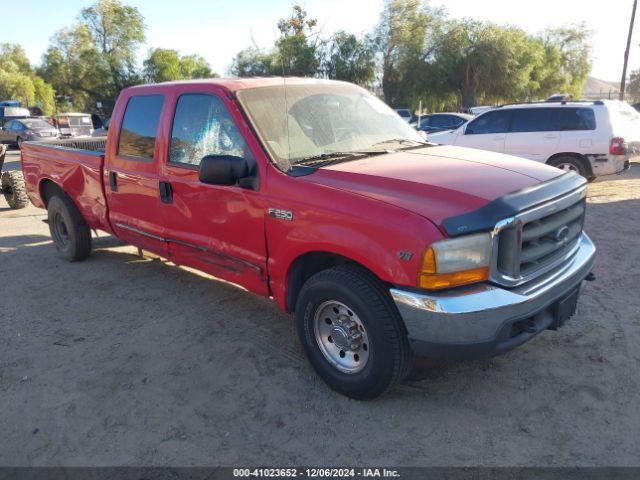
74, 165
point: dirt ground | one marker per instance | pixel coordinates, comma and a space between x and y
120, 360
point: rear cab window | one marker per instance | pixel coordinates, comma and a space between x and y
140, 127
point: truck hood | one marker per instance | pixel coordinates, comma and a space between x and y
436, 182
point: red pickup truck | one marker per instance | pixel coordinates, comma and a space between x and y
318, 195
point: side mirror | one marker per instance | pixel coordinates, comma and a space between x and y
222, 169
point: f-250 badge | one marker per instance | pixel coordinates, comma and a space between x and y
281, 214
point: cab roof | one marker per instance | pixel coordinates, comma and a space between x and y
235, 84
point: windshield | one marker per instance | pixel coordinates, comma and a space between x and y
309, 121
36, 124
15, 112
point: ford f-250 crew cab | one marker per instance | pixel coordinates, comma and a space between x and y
318, 195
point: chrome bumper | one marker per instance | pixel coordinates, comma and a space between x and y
476, 321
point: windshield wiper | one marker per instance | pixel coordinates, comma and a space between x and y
335, 157
401, 141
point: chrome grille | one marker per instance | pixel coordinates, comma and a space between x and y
537, 240
545, 238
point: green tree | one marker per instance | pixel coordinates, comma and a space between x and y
296, 49
14, 59
633, 86
18, 80
406, 37
94, 59
73, 65
350, 59
252, 62
566, 64
195, 66
163, 65
117, 31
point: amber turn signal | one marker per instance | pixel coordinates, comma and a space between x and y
455, 279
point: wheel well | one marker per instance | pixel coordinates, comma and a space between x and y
307, 265
48, 188
584, 160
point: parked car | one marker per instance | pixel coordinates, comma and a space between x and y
405, 114
74, 124
590, 138
439, 122
8, 113
314, 192
29, 129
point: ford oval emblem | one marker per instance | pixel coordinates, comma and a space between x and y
561, 234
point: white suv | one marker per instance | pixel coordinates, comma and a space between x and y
591, 138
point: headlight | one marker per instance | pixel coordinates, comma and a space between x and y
457, 261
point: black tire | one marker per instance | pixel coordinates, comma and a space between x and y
569, 163
19, 143
14, 190
70, 233
389, 354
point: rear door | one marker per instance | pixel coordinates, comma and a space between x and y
533, 134
216, 229
577, 126
487, 131
132, 175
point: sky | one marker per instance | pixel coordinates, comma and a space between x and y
218, 29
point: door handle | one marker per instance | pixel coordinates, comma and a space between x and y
166, 192
113, 181
498, 138
551, 137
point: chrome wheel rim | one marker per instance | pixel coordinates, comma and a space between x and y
341, 337
567, 167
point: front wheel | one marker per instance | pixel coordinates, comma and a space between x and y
352, 332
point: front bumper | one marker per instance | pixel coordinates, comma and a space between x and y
485, 320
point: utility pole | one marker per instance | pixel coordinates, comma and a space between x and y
626, 52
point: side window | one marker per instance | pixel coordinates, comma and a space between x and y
535, 119
440, 121
140, 126
570, 118
203, 126
9, 125
495, 121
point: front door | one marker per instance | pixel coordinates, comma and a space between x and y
216, 229
487, 132
131, 176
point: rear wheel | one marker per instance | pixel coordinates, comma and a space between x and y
70, 233
352, 332
19, 143
14, 190
571, 164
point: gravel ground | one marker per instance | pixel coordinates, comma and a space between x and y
120, 360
